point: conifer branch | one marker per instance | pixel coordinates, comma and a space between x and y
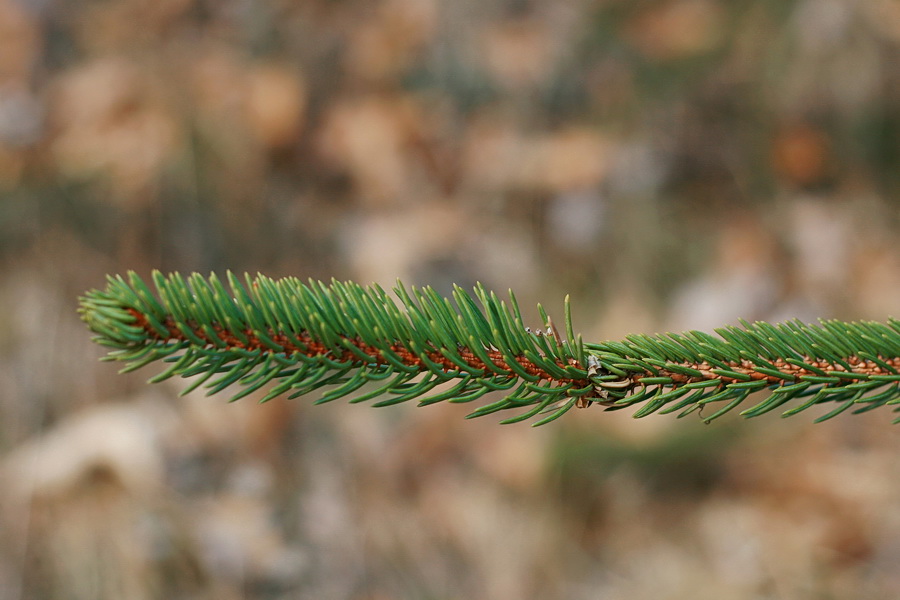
357, 341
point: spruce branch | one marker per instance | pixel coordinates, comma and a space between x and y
357, 341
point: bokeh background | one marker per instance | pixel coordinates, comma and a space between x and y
669, 164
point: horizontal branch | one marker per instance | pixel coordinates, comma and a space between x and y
357, 341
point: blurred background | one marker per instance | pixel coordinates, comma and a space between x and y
669, 164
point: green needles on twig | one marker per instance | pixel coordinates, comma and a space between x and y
292, 337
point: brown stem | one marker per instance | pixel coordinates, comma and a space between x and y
311, 347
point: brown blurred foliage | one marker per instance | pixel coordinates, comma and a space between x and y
669, 163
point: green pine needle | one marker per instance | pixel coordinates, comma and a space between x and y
291, 337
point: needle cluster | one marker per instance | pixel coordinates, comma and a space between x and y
358, 341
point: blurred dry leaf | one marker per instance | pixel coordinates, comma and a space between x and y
368, 137
801, 154
214, 75
205, 427
20, 43
744, 280
884, 17
384, 45
519, 53
821, 237
576, 220
121, 441
515, 458
499, 156
276, 102
677, 29
875, 269
240, 541
111, 122
217, 81
372, 247
11, 166
111, 27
